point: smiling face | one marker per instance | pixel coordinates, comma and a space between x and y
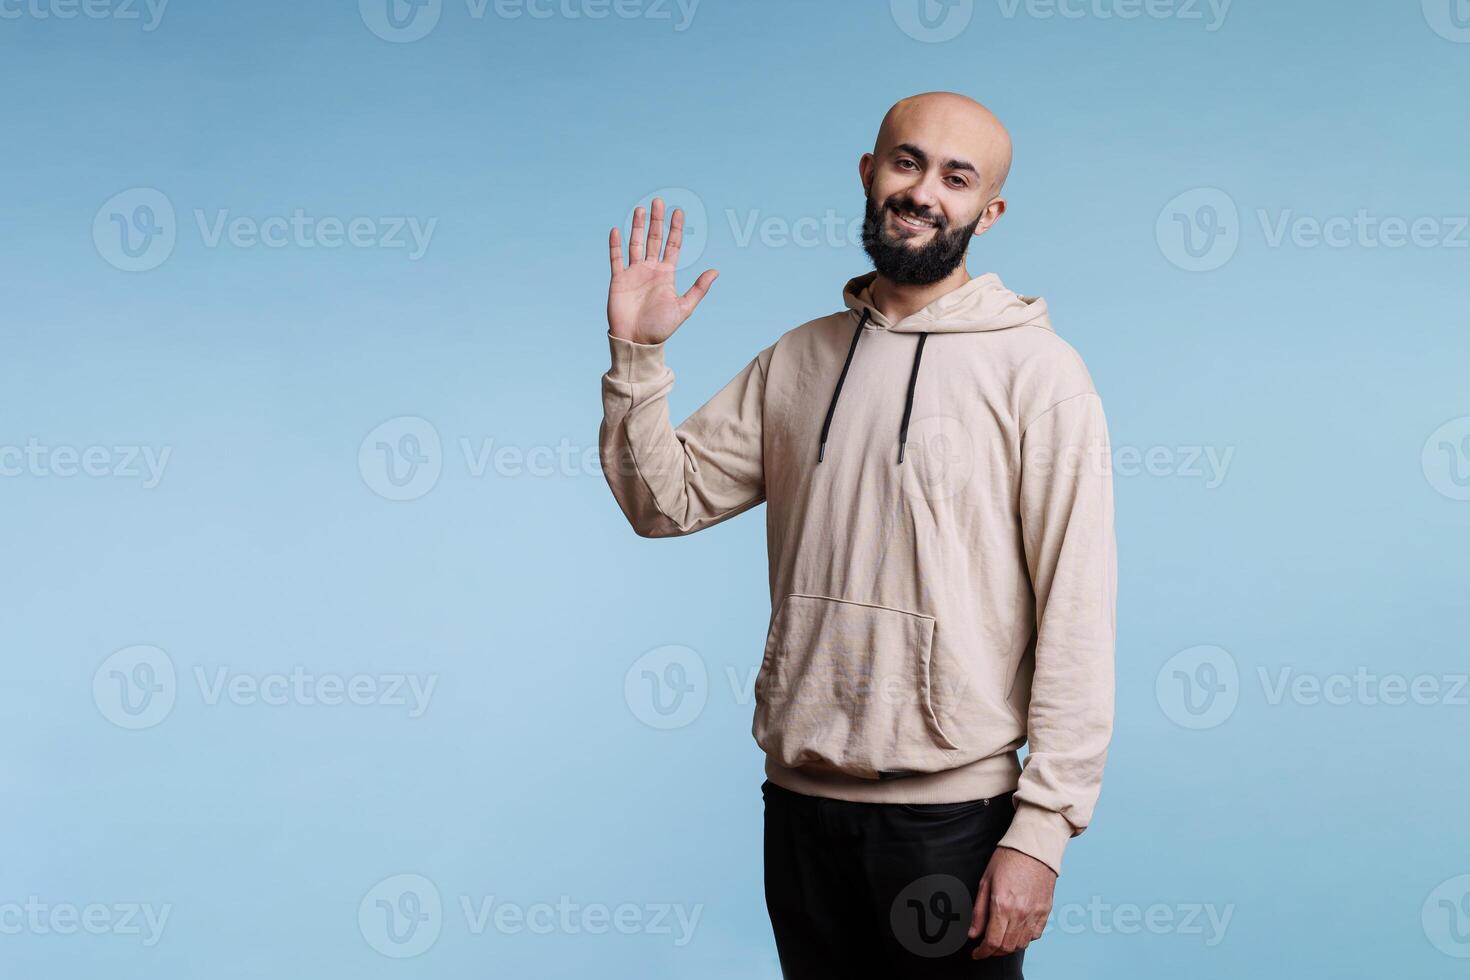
932, 181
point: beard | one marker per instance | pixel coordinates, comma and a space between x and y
913, 265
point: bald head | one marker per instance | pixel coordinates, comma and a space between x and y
947, 126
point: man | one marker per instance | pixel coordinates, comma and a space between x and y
935, 465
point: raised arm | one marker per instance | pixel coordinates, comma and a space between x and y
671, 481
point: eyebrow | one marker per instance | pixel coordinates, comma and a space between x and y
923, 157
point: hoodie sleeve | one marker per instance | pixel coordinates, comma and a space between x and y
674, 481
1066, 503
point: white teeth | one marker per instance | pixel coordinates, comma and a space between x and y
915, 222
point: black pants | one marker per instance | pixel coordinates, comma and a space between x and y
879, 889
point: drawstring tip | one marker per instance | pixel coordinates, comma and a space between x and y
900, 452
821, 451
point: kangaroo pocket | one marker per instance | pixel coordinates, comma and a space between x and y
845, 686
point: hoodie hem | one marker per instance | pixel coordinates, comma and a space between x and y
981, 779
1040, 834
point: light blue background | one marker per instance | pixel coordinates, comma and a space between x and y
1328, 546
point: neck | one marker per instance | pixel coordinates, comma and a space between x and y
898, 300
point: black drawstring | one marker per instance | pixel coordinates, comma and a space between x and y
908, 404
832, 408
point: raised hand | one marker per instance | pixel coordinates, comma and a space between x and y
642, 304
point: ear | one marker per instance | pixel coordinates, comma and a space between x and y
865, 171
990, 215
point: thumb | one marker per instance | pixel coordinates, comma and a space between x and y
697, 291
982, 908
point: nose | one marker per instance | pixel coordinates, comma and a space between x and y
925, 194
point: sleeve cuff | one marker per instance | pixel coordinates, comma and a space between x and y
635, 363
1039, 833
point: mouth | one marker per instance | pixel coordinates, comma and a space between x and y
913, 224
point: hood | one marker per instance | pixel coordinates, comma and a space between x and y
980, 304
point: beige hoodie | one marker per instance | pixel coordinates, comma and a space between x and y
930, 613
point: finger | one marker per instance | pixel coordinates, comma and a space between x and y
1017, 934
615, 250
982, 907
676, 237
995, 934
697, 291
656, 229
635, 244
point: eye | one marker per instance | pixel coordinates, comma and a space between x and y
905, 162
959, 182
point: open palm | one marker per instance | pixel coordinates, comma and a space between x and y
642, 304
